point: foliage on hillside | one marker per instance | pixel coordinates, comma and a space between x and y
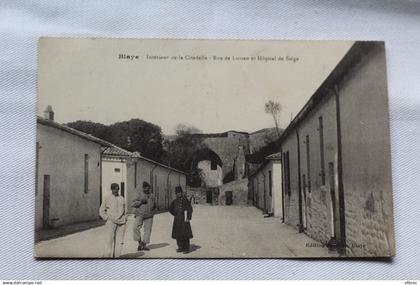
259, 156
147, 138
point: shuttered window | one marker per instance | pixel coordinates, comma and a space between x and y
86, 176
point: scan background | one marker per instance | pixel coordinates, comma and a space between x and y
22, 22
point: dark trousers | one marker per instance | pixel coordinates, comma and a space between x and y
183, 244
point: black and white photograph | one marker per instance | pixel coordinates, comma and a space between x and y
212, 149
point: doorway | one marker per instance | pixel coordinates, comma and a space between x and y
122, 189
209, 197
46, 202
229, 198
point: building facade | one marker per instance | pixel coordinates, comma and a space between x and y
210, 173
163, 180
265, 186
68, 174
114, 170
336, 159
210, 169
75, 170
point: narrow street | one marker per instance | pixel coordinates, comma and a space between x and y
219, 232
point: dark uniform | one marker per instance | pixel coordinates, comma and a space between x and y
181, 230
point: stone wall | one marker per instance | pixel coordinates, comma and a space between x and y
367, 229
366, 163
317, 181
239, 190
240, 164
209, 177
317, 209
319, 223
227, 148
232, 147
366, 160
199, 194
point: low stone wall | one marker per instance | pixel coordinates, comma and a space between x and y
198, 195
368, 224
319, 215
239, 190
368, 220
291, 208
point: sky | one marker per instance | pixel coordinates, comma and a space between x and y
214, 85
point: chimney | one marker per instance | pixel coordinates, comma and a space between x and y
49, 113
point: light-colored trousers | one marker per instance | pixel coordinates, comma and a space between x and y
114, 239
139, 222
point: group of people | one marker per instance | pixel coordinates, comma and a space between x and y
113, 211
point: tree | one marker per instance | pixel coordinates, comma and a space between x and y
183, 129
133, 135
259, 156
273, 108
139, 135
181, 148
95, 129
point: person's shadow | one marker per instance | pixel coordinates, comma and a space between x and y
136, 254
158, 245
194, 247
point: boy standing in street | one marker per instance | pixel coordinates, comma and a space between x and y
112, 211
144, 209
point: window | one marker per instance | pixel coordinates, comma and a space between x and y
270, 183
321, 149
86, 180
118, 170
308, 163
36, 167
213, 165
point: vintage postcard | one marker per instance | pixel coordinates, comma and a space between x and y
212, 149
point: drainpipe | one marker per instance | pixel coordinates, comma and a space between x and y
300, 225
283, 188
342, 241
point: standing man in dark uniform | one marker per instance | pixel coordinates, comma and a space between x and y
181, 230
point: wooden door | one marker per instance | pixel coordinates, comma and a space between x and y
46, 201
